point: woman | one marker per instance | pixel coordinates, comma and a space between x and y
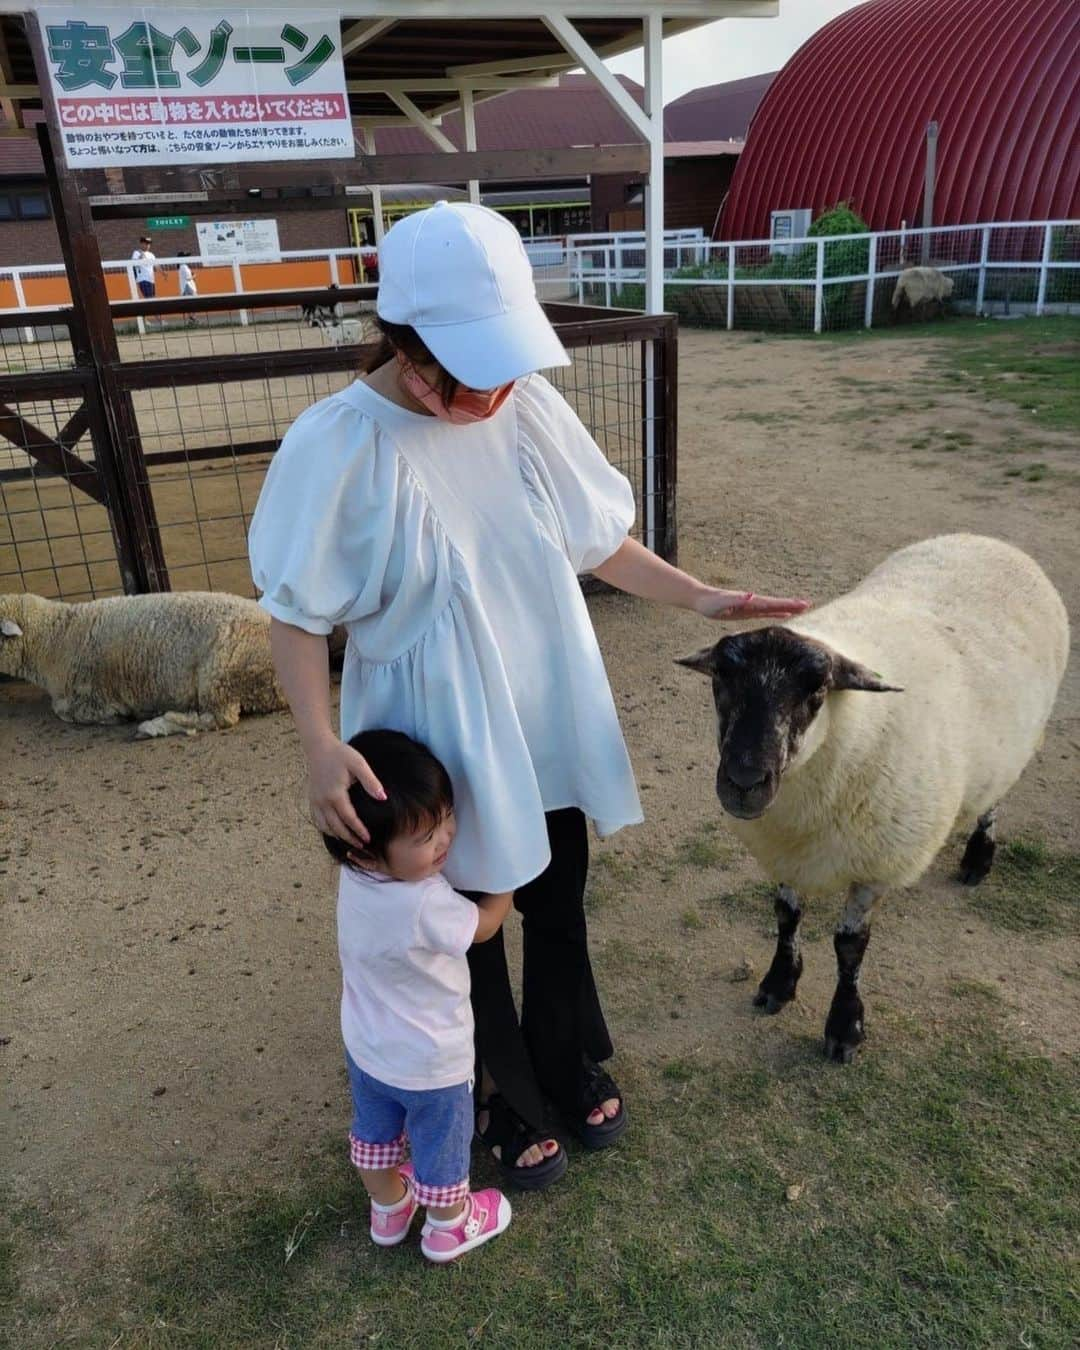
442, 509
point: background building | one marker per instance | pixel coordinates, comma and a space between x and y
846, 118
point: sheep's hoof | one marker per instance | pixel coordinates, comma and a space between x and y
978, 858
771, 1004
840, 1052
778, 987
845, 1030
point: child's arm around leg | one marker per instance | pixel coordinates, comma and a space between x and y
493, 910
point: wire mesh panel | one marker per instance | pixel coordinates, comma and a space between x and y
206, 448
55, 535
37, 342
604, 388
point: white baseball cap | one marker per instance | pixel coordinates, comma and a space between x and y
459, 275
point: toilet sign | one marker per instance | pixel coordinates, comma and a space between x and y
153, 84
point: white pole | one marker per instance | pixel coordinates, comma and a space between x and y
20, 297
335, 279
819, 287
1044, 270
730, 287
871, 279
238, 287
654, 191
468, 116
984, 258
135, 295
607, 277
376, 191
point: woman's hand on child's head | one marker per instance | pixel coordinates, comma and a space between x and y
333, 767
720, 604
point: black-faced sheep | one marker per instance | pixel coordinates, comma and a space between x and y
181, 662
831, 789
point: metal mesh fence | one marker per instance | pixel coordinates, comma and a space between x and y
206, 448
55, 535
198, 443
604, 387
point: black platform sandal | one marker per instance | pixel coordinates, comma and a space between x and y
512, 1135
599, 1087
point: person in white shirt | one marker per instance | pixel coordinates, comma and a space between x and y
144, 260
406, 1020
442, 508
187, 283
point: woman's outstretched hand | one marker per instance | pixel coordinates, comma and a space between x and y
333, 767
715, 603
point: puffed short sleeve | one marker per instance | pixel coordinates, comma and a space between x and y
446, 921
592, 502
324, 522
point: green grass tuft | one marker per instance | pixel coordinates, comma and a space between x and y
1031, 889
924, 1197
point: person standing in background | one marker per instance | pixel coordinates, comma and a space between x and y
187, 284
144, 260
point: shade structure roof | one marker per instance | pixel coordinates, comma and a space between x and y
408, 42
846, 118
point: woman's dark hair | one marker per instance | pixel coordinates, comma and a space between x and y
418, 792
402, 337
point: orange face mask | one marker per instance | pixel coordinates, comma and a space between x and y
467, 405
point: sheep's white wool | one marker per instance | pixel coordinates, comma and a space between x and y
919, 285
978, 638
188, 660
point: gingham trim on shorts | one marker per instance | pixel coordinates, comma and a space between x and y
440, 1196
372, 1157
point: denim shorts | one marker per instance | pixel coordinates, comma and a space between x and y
434, 1126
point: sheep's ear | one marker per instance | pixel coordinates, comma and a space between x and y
703, 661
9, 628
848, 674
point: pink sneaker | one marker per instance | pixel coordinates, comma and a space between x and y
486, 1215
389, 1227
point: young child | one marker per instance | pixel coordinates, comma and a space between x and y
403, 932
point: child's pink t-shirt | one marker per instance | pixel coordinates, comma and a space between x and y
405, 1012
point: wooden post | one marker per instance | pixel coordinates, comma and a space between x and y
871, 283
117, 444
928, 188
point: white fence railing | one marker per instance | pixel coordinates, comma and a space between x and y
43, 286
840, 281
834, 282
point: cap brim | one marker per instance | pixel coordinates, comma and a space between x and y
485, 353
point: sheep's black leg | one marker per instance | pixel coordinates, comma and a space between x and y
778, 987
844, 1026
979, 855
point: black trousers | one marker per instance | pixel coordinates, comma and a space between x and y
539, 1059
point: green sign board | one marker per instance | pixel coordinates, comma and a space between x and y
167, 222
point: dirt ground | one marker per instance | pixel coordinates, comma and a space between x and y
170, 976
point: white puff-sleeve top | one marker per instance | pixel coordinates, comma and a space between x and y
451, 555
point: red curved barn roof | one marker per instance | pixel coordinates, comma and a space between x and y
845, 120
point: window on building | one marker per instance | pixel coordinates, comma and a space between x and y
33, 206
23, 204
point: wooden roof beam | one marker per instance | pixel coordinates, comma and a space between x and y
424, 123
359, 34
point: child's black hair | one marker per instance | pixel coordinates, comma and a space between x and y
418, 792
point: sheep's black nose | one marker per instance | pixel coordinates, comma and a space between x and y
747, 776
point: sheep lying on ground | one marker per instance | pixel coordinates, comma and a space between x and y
831, 789
181, 662
923, 289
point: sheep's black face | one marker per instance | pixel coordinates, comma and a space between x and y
768, 686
